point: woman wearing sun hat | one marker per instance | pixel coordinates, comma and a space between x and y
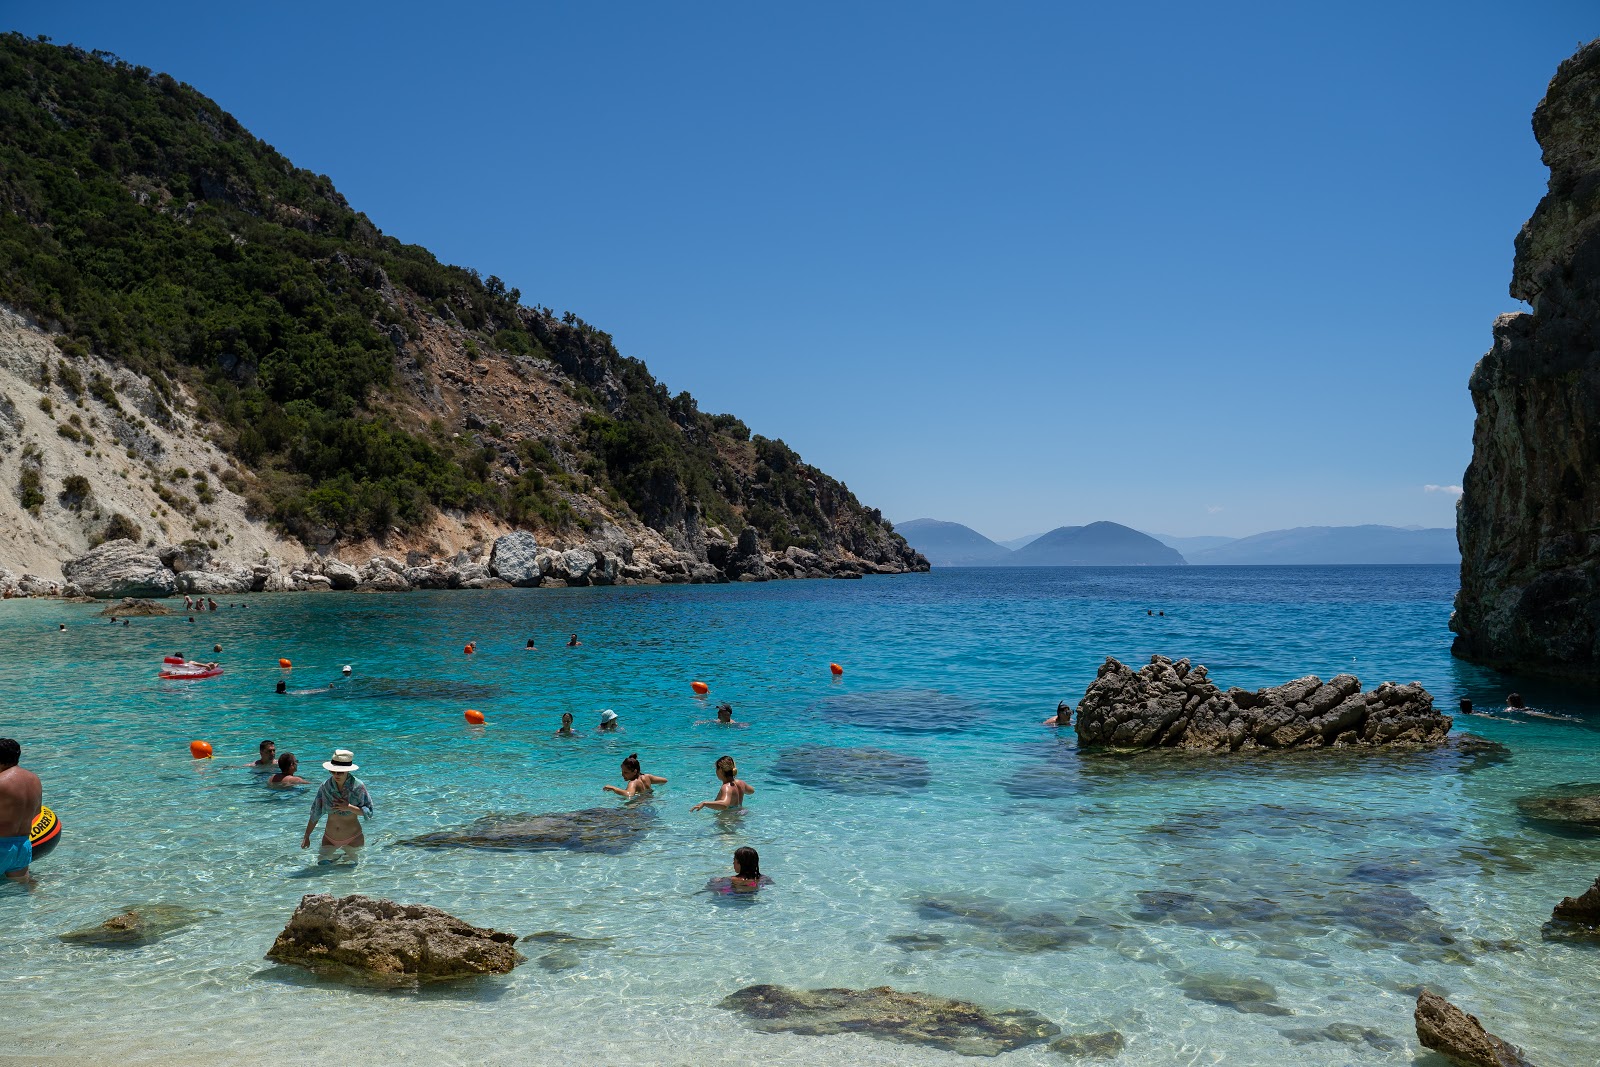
345, 800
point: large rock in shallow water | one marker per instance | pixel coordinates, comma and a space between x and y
372, 941
1171, 705
1583, 909
854, 771
890, 1015
142, 924
1529, 518
605, 830
515, 559
1447, 1029
120, 568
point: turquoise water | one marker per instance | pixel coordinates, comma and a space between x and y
1006, 870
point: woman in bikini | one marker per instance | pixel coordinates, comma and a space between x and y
639, 783
345, 800
733, 791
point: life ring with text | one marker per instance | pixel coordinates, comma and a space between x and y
45, 833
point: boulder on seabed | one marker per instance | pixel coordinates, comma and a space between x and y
371, 941
120, 568
139, 925
515, 559
1446, 1029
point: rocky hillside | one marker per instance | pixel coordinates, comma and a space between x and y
1529, 519
203, 346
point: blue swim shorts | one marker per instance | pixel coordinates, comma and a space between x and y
15, 854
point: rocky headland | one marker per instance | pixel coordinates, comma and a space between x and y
1168, 704
1529, 517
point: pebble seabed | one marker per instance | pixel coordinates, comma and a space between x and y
923, 831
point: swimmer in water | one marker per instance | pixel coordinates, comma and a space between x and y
63, 626
530, 646
573, 642
1514, 700
283, 687
608, 721
566, 725
1063, 715
724, 717
639, 783
269, 755
344, 800
286, 777
733, 790
747, 876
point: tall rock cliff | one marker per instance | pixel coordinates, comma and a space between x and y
1529, 519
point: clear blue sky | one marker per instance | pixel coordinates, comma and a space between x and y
1195, 268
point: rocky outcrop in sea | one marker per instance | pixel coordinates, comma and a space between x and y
1453, 1033
1529, 517
1168, 704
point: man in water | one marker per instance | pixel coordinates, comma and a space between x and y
269, 755
21, 797
573, 642
1063, 715
286, 776
345, 800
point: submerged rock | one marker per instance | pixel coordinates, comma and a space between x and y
890, 1015
1569, 807
1168, 704
604, 830
1002, 927
1249, 995
373, 941
917, 942
142, 924
1447, 1029
1106, 1045
1346, 1034
566, 950
909, 711
1530, 557
858, 771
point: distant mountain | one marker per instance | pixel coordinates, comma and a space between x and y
1018, 542
1187, 545
1335, 544
1099, 544
950, 544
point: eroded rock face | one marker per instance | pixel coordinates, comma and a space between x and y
1447, 1029
890, 1015
1529, 519
1171, 705
120, 568
142, 924
605, 830
373, 941
515, 559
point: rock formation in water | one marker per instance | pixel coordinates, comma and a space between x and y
142, 924
1529, 517
1171, 705
373, 941
1450, 1031
1583, 909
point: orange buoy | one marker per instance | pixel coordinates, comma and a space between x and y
284, 663
474, 716
468, 649
700, 687
836, 669
200, 749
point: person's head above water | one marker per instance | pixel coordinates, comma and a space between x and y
269, 751
724, 712
287, 763
727, 770
630, 767
608, 720
746, 863
529, 644
1466, 705
573, 640
10, 752
566, 718
283, 687
1514, 700
345, 669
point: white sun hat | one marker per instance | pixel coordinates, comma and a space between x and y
343, 760
607, 715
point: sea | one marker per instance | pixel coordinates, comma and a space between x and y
922, 828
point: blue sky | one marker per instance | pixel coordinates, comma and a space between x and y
1194, 268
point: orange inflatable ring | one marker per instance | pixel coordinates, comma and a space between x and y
474, 716
45, 833
200, 749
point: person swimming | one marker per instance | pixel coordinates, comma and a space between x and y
269, 754
1063, 715
283, 687
530, 646
724, 717
608, 720
733, 791
746, 877
566, 725
286, 777
639, 783
573, 642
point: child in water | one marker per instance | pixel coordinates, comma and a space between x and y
747, 876
733, 791
639, 783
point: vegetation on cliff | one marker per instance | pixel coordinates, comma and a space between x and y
142, 223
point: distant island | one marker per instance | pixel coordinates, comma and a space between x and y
1110, 544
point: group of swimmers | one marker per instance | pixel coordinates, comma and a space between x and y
1515, 705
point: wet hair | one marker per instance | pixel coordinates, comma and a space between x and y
263, 745
529, 644
283, 687
10, 752
1514, 700
747, 862
726, 768
566, 718
285, 762
631, 763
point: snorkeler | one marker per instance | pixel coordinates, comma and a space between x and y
344, 799
733, 790
566, 725
287, 765
639, 783
608, 721
1063, 715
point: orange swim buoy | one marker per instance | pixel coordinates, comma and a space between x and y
474, 716
284, 663
836, 669
468, 648
200, 749
700, 687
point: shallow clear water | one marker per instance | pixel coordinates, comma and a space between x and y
1030, 878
